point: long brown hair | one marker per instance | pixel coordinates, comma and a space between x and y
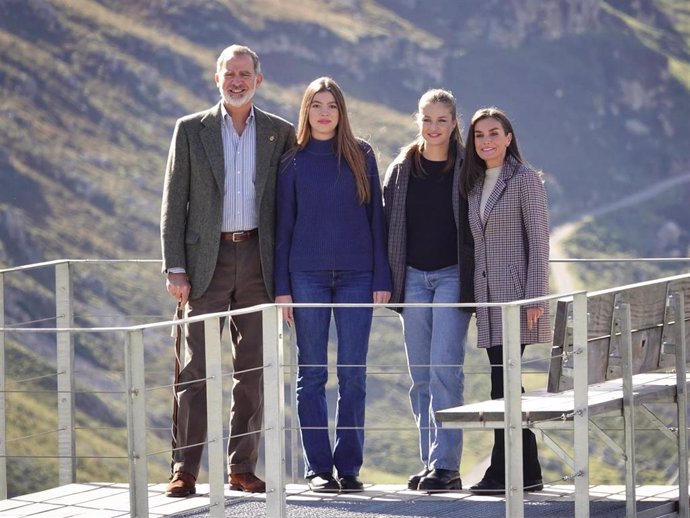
346, 144
415, 149
473, 167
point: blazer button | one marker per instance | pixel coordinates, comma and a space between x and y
483, 273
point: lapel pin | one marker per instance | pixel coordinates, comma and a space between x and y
271, 138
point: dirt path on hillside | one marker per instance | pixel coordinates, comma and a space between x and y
563, 279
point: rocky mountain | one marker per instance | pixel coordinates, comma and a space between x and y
598, 90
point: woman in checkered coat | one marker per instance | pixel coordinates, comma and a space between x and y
509, 222
431, 257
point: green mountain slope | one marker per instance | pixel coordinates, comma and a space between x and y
599, 92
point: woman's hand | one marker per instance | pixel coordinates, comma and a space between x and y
534, 313
287, 312
382, 297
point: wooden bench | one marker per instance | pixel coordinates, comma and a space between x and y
636, 349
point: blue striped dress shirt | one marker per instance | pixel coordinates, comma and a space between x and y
239, 202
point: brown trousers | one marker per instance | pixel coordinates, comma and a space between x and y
237, 283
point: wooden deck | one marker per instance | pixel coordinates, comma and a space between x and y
105, 500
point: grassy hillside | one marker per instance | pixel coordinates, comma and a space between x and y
599, 92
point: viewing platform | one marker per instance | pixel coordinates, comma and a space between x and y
381, 501
48, 359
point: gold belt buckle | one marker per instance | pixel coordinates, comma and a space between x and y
237, 237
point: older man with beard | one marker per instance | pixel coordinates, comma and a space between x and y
217, 233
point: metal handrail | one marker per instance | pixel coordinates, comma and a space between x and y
274, 386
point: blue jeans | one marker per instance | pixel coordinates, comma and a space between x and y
311, 326
435, 341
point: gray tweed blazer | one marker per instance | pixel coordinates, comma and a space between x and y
511, 251
191, 211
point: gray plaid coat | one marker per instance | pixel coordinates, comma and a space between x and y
395, 186
511, 251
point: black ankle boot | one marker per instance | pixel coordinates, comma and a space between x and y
440, 480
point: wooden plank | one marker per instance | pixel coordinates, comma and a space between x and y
560, 340
648, 303
541, 405
646, 346
680, 281
600, 309
668, 360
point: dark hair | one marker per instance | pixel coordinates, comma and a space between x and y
416, 147
473, 167
346, 144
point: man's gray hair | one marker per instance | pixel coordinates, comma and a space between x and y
238, 50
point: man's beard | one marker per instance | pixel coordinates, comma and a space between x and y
235, 102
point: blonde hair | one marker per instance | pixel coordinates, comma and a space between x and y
455, 145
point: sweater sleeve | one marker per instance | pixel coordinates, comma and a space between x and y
286, 210
382, 273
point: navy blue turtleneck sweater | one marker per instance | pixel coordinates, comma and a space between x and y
321, 225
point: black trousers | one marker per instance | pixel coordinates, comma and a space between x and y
531, 470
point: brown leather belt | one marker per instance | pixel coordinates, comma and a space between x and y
238, 237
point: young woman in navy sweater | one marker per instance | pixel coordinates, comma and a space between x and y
330, 248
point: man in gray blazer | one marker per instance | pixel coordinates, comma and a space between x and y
217, 233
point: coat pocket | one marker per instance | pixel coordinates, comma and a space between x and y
518, 286
191, 237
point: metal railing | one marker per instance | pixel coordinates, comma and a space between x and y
274, 394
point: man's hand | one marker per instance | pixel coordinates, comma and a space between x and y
287, 312
178, 286
382, 297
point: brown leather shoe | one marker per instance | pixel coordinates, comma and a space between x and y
247, 482
182, 484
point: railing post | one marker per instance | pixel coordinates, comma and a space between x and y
678, 303
512, 396
295, 439
67, 470
217, 454
622, 326
136, 423
3, 428
581, 393
274, 412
